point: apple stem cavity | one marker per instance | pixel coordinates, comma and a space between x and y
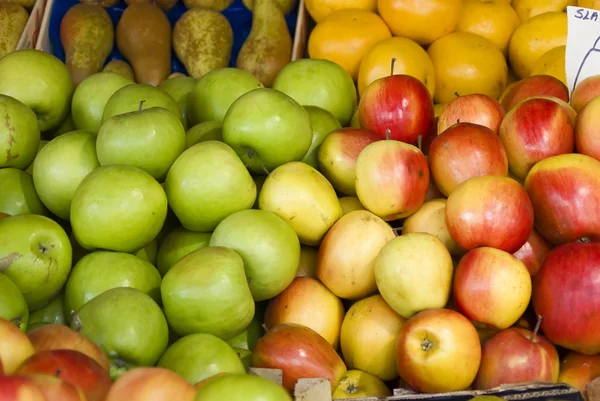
392, 65
76, 321
388, 134
57, 373
141, 105
538, 324
426, 344
265, 169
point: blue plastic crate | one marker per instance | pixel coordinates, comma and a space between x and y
238, 15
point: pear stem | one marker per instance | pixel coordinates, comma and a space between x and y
388, 134
265, 169
141, 105
537, 327
392, 65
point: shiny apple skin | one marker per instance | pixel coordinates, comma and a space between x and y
585, 91
151, 384
19, 388
587, 130
474, 108
15, 347
535, 85
577, 370
533, 252
55, 389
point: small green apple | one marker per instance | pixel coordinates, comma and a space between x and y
149, 252
322, 123
90, 98
179, 88
198, 356
67, 125
18, 195
59, 168
43, 143
215, 91
207, 292
268, 245
127, 325
40, 81
176, 245
53, 313
118, 208
207, 183
13, 306
19, 134
242, 388
247, 339
35, 253
101, 271
206, 131
267, 128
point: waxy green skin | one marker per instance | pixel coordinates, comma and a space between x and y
53, 313
248, 338
91, 96
35, 254
179, 88
242, 388
12, 303
322, 123
127, 325
19, 134
18, 194
206, 131
59, 168
177, 244
43, 143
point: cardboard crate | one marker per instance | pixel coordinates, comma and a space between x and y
32, 29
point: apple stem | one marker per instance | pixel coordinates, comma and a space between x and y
420, 142
265, 169
537, 327
265, 328
585, 240
392, 66
76, 321
388, 134
398, 231
456, 94
57, 373
141, 105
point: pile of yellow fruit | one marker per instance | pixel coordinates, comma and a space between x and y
452, 46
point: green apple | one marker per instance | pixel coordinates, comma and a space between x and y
13, 306
247, 339
118, 208
355, 122
242, 388
215, 91
149, 139
127, 325
321, 83
207, 183
43, 143
53, 313
268, 245
176, 245
101, 271
129, 98
19, 134
207, 292
67, 125
35, 253
206, 131
259, 180
267, 128
322, 123
59, 168
18, 195
245, 356
198, 356
149, 252
90, 98
179, 88
78, 251
40, 81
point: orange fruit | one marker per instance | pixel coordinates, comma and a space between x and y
530, 8
466, 63
345, 36
411, 59
494, 20
319, 9
423, 21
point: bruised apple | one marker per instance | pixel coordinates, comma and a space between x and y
535, 85
151, 384
489, 211
392, 179
533, 130
463, 151
55, 389
358, 384
308, 302
565, 193
475, 108
300, 353
585, 91
587, 132
15, 347
438, 351
19, 388
348, 251
577, 370
533, 252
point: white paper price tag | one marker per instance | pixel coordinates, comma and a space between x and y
582, 58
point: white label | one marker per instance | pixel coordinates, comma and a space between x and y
582, 58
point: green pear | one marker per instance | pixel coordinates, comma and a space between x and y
12, 303
53, 313
19, 134
127, 325
206, 131
18, 194
177, 244
322, 123
247, 339
101, 271
198, 356
179, 88
35, 253
149, 252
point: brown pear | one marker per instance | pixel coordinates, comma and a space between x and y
144, 39
268, 48
120, 67
164, 4
13, 18
102, 3
202, 40
25, 3
217, 5
87, 35
286, 6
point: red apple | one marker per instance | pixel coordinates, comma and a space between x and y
463, 151
476, 109
577, 370
18, 388
565, 106
15, 347
338, 153
437, 351
400, 104
300, 353
489, 211
566, 293
392, 179
535, 85
73, 367
533, 130
585, 91
514, 356
151, 384
55, 389
492, 287
57, 336
565, 193
587, 131
533, 253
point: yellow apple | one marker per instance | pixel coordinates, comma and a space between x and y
358, 384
